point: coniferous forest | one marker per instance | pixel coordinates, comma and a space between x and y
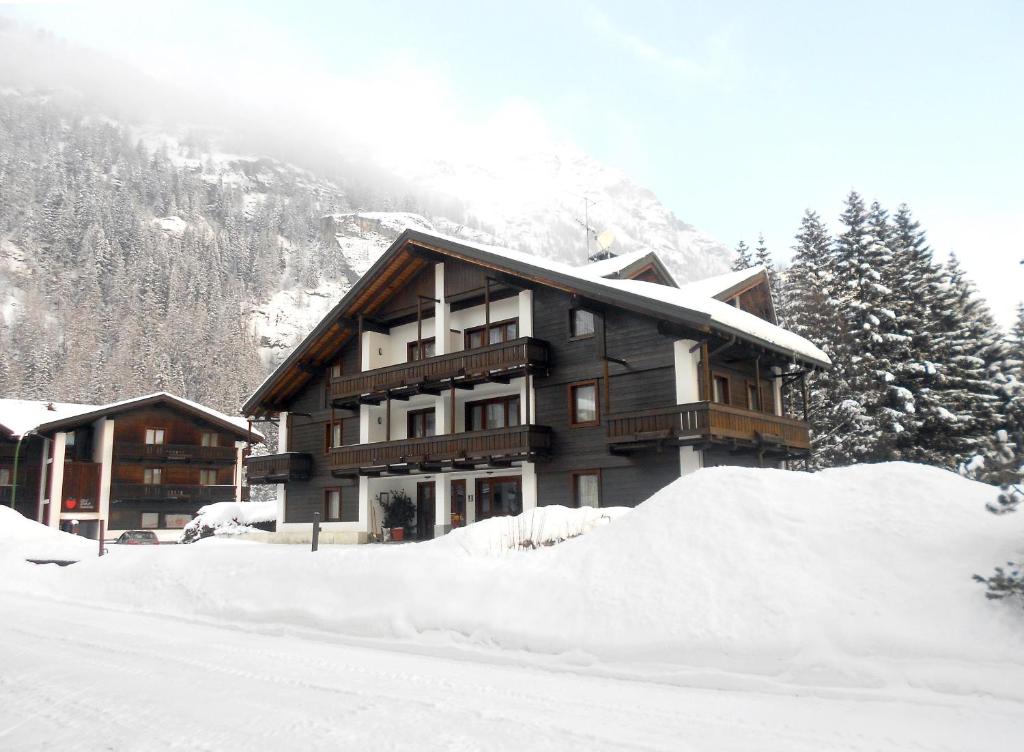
921, 371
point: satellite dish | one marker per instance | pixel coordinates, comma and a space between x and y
605, 240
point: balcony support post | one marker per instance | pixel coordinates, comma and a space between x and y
757, 382
806, 394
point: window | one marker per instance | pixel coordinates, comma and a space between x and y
583, 404
412, 350
154, 436
208, 477
498, 332
586, 488
581, 323
5, 476
752, 401
334, 435
151, 476
336, 370
150, 520
501, 412
341, 504
721, 389
209, 439
420, 423
69, 439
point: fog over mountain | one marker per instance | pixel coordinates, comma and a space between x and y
217, 230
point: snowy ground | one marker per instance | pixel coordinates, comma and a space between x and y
738, 609
87, 677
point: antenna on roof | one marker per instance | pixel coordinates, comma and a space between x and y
587, 229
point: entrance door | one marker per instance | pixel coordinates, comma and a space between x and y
496, 497
458, 503
425, 513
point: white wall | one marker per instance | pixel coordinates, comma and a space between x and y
687, 367
103, 453
56, 490
687, 390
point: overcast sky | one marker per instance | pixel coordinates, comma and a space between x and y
738, 115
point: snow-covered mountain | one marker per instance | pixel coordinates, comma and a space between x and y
155, 224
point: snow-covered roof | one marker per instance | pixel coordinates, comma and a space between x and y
711, 287
19, 417
685, 299
615, 264
727, 315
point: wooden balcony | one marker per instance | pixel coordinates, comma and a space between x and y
174, 492
497, 447
278, 468
708, 422
462, 369
126, 450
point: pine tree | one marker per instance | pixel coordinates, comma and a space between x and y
744, 259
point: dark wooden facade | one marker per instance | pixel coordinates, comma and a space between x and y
631, 358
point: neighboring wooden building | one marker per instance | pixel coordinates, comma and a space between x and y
145, 463
482, 382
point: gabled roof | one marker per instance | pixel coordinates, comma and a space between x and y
725, 286
73, 419
408, 255
18, 417
628, 265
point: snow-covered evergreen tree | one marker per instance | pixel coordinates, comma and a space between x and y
744, 258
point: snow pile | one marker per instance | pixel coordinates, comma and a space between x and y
544, 526
22, 538
852, 579
228, 518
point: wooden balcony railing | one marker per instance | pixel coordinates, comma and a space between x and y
168, 491
126, 450
467, 367
706, 421
278, 468
497, 446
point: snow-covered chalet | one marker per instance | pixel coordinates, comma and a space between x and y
482, 382
145, 463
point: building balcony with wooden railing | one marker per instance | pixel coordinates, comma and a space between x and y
127, 450
174, 492
497, 447
278, 468
707, 423
463, 369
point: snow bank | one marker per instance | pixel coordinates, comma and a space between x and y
544, 526
228, 518
853, 579
22, 538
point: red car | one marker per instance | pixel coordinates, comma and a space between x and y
138, 538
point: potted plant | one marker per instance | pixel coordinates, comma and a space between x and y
399, 512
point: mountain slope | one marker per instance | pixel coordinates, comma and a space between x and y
134, 259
